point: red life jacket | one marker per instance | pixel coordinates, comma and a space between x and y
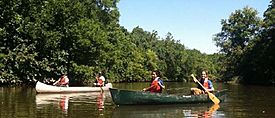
206, 84
156, 88
63, 81
100, 82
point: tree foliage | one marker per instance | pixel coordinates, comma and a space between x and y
238, 31
247, 42
259, 60
47, 38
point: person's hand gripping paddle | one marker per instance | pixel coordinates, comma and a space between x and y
211, 95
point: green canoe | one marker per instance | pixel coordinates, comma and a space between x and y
128, 97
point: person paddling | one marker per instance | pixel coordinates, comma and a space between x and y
205, 81
100, 80
62, 81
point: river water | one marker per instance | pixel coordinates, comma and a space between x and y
241, 101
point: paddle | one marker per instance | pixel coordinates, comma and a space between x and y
101, 89
211, 95
213, 108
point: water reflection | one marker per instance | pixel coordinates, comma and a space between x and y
241, 102
173, 111
207, 113
63, 101
100, 102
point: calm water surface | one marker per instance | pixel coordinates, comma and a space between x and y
241, 101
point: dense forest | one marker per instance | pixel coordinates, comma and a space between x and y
248, 45
44, 39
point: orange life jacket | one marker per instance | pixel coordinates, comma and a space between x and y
206, 84
156, 88
63, 81
100, 82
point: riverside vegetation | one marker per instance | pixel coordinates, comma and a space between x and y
46, 38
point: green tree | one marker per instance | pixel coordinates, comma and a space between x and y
258, 63
237, 32
173, 54
56, 36
269, 37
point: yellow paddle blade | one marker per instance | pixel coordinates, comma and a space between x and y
213, 108
213, 98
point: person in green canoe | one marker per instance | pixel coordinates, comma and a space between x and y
156, 85
205, 81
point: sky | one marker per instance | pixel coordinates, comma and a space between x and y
192, 22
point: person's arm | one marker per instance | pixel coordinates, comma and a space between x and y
56, 82
147, 89
67, 80
210, 86
153, 85
161, 84
96, 79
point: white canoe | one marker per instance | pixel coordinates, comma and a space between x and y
44, 88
